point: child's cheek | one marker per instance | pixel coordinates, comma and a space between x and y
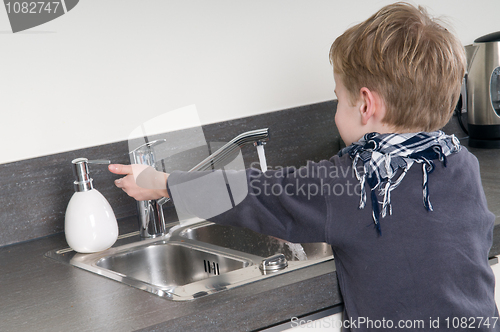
338, 123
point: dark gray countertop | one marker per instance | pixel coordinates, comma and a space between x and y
41, 294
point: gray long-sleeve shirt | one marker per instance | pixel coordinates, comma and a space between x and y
425, 267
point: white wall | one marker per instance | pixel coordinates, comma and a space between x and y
93, 75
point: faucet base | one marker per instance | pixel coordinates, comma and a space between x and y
151, 219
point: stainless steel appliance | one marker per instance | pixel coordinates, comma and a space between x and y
482, 86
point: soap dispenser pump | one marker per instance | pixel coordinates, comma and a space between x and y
90, 224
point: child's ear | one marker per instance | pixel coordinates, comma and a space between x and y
368, 105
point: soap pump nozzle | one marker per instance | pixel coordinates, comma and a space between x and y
83, 181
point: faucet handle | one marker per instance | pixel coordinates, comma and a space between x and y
143, 154
147, 145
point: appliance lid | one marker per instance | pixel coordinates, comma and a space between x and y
491, 37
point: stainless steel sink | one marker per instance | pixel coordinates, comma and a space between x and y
196, 259
170, 264
244, 240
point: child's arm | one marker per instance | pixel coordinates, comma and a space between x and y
287, 203
141, 182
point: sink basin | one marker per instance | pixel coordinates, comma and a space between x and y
169, 265
196, 259
247, 241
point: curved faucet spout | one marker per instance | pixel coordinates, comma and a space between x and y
253, 136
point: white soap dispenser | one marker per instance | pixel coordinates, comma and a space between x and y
90, 224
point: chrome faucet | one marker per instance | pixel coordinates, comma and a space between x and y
151, 219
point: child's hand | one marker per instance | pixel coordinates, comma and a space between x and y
141, 182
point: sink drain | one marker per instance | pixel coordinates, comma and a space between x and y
274, 263
211, 267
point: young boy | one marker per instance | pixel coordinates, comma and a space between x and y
411, 238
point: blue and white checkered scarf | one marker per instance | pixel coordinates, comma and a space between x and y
383, 154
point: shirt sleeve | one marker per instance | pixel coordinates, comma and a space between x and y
288, 203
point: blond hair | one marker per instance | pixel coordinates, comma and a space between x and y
410, 60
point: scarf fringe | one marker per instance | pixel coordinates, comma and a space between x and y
383, 155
